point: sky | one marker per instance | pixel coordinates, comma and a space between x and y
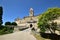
20, 8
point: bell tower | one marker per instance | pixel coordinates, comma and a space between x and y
31, 12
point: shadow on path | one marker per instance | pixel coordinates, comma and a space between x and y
50, 36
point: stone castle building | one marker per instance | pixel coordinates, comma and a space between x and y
28, 20
32, 20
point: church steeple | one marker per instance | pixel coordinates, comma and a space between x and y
31, 12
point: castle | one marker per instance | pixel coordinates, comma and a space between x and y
32, 20
28, 20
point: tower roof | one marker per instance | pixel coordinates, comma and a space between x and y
31, 9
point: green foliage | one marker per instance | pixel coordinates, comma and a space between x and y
8, 23
6, 30
13, 23
1, 13
49, 15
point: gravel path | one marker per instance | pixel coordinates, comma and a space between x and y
21, 35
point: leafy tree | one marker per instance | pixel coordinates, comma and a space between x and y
46, 17
53, 26
5, 30
7, 23
14, 23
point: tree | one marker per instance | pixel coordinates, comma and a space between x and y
14, 23
53, 26
7, 23
48, 16
9, 27
1, 13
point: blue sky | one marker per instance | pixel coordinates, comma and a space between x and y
20, 8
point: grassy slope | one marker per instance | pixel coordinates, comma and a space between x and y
38, 37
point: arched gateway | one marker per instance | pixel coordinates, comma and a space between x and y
31, 25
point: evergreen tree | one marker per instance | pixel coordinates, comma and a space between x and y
1, 13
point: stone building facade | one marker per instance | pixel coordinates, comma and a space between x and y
28, 20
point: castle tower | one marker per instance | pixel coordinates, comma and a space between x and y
31, 12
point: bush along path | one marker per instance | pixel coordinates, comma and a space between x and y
21, 35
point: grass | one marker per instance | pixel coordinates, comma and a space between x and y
38, 37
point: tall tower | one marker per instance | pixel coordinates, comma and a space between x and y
31, 12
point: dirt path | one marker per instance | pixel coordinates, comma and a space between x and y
21, 35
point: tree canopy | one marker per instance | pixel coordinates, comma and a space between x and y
7, 23
49, 15
13, 23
